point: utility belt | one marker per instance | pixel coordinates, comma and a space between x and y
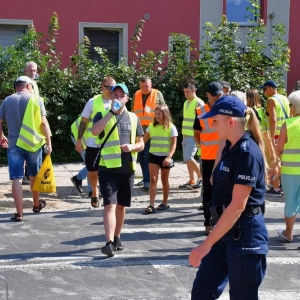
216, 212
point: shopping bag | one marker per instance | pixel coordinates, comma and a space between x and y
45, 180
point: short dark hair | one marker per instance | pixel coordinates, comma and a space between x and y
190, 85
20, 84
145, 78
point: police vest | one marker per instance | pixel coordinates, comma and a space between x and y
30, 136
160, 139
98, 106
111, 152
189, 117
280, 116
290, 159
209, 138
145, 113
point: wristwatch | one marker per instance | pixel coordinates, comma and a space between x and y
112, 112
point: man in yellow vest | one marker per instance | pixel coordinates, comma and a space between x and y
144, 103
277, 112
117, 163
189, 147
86, 140
28, 130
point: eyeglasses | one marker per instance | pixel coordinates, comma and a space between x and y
108, 87
265, 88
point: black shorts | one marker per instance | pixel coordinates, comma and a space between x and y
90, 157
116, 188
158, 160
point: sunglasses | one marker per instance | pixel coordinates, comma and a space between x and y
265, 88
108, 87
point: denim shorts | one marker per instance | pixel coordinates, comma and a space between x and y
189, 148
16, 158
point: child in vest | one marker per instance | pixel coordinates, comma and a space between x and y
163, 138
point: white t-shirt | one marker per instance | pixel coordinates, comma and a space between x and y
88, 111
174, 132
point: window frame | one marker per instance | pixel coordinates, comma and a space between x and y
121, 27
173, 39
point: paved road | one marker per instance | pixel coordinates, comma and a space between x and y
56, 254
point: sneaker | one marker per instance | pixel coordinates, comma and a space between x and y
25, 181
118, 243
272, 192
109, 249
78, 184
146, 186
187, 186
198, 184
140, 183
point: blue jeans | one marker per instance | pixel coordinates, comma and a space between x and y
82, 174
143, 158
16, 158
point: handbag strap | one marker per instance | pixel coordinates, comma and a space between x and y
280, 102
107, 137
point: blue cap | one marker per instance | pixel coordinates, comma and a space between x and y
215, 88
227, 105
122, 86
270, 83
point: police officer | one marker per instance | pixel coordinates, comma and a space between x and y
236, 248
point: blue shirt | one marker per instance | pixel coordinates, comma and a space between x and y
242, 164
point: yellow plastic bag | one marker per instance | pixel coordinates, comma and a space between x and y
45, 181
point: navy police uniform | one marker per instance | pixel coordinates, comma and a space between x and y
240, 255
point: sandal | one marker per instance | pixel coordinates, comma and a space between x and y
17, 217
38, 208
163, 206
149, 210
95, 201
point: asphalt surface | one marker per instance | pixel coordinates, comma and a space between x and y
56, 254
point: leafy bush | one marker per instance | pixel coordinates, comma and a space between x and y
66, 91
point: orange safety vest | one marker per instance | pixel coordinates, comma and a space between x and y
145, 114
209, 138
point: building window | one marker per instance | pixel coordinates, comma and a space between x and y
12, 29
179, 45
112, 37
236, 11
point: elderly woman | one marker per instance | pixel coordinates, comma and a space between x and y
288, 148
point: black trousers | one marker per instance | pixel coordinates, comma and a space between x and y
207, 192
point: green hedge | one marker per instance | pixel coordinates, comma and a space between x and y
67, 90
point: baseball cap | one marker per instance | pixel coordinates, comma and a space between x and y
226, 105
24, 79
270, 83
215, 88
226, 84
122, 86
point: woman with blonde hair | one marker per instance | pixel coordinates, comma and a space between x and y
163, 138
236, 248
288, 149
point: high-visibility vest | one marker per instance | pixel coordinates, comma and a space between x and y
111, 152
280, 116
290, 159
209, 138
98, 106
189, 117
146, 115
262, 114
160, 139
30, 136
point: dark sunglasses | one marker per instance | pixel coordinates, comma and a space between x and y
265, 88
108, 87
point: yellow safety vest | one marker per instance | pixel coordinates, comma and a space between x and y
30, 135
262, 115
98, 106
280, 117
111, 152
160, 139
290, 159
189, 117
